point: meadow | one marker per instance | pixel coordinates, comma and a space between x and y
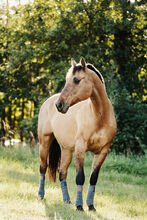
121, 191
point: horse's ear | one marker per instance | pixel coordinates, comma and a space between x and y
83, 63
73, 62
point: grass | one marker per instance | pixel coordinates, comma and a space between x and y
121, 191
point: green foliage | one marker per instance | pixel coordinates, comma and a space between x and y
133, 165
38, 41
23, 155
29, 127
131, 122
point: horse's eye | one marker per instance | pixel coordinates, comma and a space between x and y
76, 81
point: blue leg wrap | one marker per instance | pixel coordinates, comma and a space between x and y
41, 187
64, 189
90, 195
79, 195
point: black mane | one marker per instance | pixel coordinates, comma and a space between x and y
91, 67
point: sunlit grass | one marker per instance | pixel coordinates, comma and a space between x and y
120, 193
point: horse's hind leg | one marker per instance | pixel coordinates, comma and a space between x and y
66, 157
97, 162
44, 144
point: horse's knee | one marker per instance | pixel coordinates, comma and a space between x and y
66, 157
80, 177
94, 176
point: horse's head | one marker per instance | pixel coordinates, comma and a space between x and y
78, 86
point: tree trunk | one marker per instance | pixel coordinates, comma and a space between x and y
7, 12
10, 116
22, 117
2, 126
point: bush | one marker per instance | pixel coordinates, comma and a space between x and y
131, 122
30, 128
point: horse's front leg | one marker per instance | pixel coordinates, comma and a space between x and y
66, 157
97, 162
80, 177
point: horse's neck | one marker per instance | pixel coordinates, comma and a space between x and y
99, 99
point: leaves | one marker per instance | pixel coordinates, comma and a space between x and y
39, 39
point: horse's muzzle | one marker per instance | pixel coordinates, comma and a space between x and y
62, 107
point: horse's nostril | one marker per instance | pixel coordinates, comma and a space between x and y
62, 106
59, 106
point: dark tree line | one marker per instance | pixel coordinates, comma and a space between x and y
37, 42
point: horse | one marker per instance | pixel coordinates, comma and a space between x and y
79, 119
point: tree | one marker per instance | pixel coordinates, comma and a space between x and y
41, 38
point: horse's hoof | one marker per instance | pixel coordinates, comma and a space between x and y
80, 208
41, 197
67, 202
91, 208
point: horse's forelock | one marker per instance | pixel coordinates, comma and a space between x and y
77, 68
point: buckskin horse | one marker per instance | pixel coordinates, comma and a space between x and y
79, 119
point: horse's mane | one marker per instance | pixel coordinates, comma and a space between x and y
91, 67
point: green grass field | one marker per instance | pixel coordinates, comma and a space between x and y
121, 191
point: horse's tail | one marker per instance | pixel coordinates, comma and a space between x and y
54, 159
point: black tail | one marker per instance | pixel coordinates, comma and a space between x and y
54, 159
